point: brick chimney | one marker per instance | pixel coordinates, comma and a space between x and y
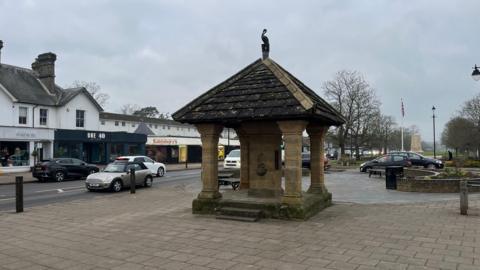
44, 66
1, 46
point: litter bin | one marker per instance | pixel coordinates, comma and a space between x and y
391, 175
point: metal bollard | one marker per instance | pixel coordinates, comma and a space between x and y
463, 197
132, 181
19, 193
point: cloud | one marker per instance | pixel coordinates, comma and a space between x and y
165, 53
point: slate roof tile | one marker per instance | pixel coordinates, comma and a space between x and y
262, 90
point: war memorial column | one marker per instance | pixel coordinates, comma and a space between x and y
210, 134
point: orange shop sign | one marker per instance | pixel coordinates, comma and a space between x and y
164, 141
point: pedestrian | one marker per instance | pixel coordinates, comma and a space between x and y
450, 155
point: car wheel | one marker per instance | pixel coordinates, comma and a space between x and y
431, 166
366, 169
148, 182
160, 172
59, 176
117, 186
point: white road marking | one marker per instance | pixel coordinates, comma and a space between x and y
7, 199
59, 190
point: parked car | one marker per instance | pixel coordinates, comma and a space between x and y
232, 161
387, 160
156, 168
116, 176
306, 161
60, 169
419, 160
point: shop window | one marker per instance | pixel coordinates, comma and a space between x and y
116, 123
22, 115
68, 150
80, 118
14, 154
123, 124
116, 150
43, 117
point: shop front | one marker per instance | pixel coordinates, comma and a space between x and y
21, 148
97, 147
172, 150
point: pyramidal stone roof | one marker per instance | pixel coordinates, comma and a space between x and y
261, 91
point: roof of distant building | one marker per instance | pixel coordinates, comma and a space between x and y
143, 129
22, 85
134, 118
261, 91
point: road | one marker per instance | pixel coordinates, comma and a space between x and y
53, 192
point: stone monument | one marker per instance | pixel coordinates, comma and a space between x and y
416, 144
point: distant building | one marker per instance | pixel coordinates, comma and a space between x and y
168, 141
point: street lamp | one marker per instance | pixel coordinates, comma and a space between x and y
476, 73
433, 117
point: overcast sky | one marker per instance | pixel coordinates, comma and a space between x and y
165, 53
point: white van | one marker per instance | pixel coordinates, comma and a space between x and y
232, 161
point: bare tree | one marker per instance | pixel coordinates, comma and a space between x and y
471, 110
460, 134
129, 108
353, 97
94, 89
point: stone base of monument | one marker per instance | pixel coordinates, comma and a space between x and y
233, 202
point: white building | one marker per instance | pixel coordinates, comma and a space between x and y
33, 108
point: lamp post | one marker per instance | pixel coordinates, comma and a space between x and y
476, 73
433, 117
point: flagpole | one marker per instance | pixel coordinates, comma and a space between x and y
403, 116
402, 135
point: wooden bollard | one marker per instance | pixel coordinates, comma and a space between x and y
132, 181
19, 193
463, 197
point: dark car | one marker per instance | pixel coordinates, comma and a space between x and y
60, 169
419, 160
306, 161
384, 161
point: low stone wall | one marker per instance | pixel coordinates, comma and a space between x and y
431, 185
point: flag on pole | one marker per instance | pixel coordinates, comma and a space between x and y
403, 109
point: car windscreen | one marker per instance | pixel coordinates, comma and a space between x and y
234, 153
115, 167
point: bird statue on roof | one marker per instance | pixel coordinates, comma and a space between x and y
265, 45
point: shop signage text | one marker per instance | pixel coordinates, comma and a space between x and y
96, 135
165, 141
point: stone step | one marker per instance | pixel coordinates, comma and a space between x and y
245, 219
241, 213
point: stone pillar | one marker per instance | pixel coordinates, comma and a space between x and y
317, 157
292, 137
244, 158
209, 134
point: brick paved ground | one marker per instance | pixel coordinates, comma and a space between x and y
155, 230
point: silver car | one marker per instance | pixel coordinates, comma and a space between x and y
116, 176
